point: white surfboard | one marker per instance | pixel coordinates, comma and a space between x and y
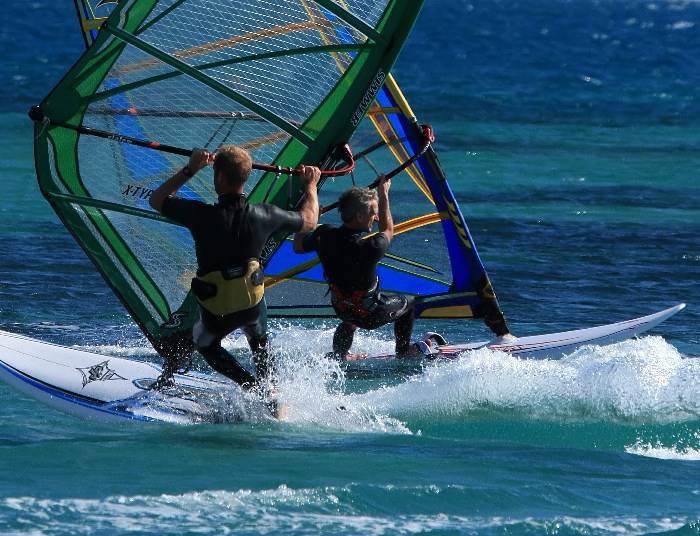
552, 345
109, 388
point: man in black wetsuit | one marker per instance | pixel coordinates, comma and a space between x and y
229, 237
350, 268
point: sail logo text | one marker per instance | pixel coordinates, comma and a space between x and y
119, 138
369, 96
268, 249
137, 191
457, 223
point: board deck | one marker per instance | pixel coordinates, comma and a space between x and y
551, 345
110, 388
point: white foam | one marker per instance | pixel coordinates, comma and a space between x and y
636, 381
643, 380
283, 510
663, 452
313, 387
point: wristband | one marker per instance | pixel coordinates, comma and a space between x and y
187, 172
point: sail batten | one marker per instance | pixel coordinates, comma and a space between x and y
106, 205
217, 86
343, 14
211, 47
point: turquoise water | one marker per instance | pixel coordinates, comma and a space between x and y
570, 134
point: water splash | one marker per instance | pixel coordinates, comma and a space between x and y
641, 381
662, 452
323, 509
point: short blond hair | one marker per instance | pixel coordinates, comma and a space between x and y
235, 163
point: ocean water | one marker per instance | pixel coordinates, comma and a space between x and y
570, 132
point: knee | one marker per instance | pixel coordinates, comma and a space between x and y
258, 342
211, 353
406, 308
346, 327
344, 333
410, 303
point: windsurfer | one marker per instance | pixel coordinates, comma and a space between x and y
350, 267
229, 237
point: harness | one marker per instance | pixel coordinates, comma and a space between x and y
222, 292
360, 303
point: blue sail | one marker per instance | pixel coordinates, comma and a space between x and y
452, 285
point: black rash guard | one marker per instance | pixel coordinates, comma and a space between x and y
348, 260
231, 231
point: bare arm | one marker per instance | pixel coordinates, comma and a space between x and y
198, 160
386, 222
309, 209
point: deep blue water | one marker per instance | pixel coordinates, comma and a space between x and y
570, 131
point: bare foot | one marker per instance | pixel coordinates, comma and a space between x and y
282, 412
277, 409
356, 357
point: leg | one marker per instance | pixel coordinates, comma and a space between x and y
256, 333
223, 362
176, 350
342, 339
400, 310
397, 309
403, 329
208, 331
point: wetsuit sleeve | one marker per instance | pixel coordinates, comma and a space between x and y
311, 241
187, 212
378, 245
273, 218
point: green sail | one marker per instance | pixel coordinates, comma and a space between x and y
288, 80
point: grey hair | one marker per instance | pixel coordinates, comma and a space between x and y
355, 200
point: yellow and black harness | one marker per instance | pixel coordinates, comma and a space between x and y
222, 292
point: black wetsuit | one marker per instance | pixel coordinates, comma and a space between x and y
350, 267
226, 235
